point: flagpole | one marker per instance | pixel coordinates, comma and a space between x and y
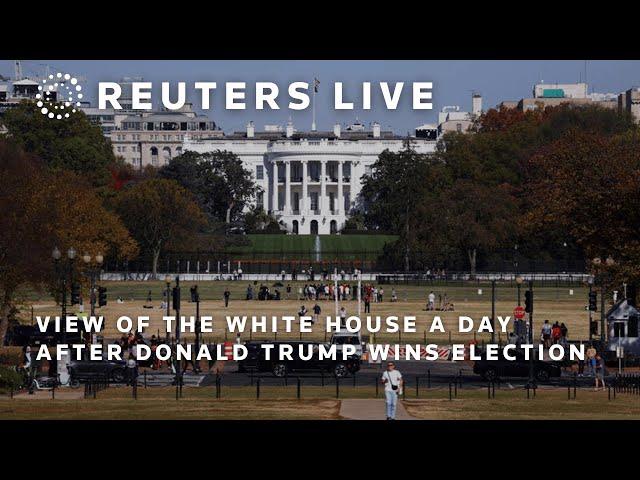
313, 108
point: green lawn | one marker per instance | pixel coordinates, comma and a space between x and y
304, 246
317, 403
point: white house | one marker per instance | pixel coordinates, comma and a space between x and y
310, 180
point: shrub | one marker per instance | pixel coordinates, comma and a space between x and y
9, 378
11, 356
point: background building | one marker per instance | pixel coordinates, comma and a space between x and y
555, 94
452, 119
629, 102
148, 137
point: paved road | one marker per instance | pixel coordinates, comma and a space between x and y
370, 409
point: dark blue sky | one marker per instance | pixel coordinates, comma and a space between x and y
453, 82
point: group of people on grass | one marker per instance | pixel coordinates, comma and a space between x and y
553, 334
444, 304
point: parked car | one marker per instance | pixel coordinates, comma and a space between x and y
494, 369
87, 370
256, 361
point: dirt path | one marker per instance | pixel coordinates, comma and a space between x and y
369, 409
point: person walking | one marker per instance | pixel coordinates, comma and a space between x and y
132, 369
591, 359
393, 383
367, 303
599, 368
302, 312
556, 333
316, 313
343, 317
546, 333
226, 295
563, 334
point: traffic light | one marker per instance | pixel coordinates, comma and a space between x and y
528, 301
175, 295
195, 296
593, 302
102, 296
75, 293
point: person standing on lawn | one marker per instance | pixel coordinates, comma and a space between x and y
393, 383
227, 294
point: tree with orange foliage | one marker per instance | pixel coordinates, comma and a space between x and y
589, 186
42, 209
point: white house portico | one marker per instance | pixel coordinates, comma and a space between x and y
309, 180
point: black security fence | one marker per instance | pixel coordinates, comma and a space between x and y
416, 387
225, 263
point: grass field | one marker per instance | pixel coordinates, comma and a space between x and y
304, 246
549, 404
276, 403
554, 304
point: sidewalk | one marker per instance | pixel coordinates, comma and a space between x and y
370, 409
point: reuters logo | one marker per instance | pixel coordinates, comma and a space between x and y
59, 95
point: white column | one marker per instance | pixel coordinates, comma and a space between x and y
303, 207
323, 185
287, 188
340, 202
274, 193
354, 182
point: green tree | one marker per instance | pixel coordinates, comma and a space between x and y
398, 182
256, 220
160, 213
72, 144
221, 185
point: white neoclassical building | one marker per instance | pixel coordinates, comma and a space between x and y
309, 180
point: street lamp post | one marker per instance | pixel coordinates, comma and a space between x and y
93, 273
64, 271
177, 309
590, 281
519, 281
493, 310
531, 377
167, 280
603, 275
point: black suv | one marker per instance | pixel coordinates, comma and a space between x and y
256, 361
494, 369
86, 370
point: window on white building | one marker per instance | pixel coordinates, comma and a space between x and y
259, 172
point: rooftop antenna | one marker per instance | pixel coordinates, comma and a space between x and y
17, 70
316, 83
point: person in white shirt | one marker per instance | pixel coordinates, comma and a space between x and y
393, 383
432, 301
343, 317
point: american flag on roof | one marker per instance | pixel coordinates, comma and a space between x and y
316, 83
